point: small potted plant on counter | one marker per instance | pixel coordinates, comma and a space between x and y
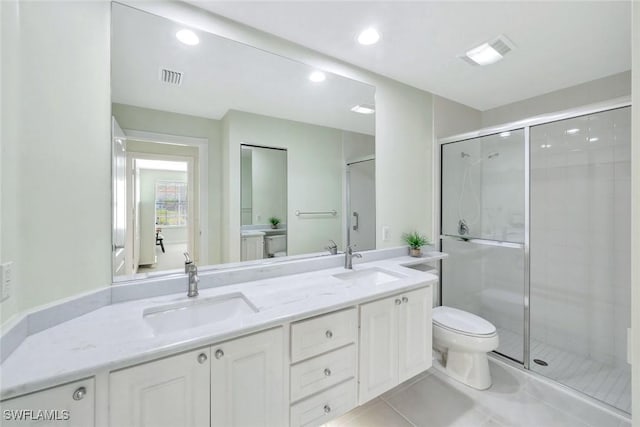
274, 220
415, 241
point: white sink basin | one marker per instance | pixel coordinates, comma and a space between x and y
369, 276
197, 312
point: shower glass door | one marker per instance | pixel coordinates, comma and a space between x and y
580, 240
483, 231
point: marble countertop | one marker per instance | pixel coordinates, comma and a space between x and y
117, 336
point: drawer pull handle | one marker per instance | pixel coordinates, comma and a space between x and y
80, 393
327, 409
405, 299
327, 372
398, 301
219, 353
329, 334
202, 358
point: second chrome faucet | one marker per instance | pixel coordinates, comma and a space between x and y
191, 269
348, 257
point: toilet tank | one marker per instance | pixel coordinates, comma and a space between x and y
275, 245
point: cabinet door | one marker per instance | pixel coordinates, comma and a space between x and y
247, 381
414, 341
252, 248
168, 392
378, 347
70, 405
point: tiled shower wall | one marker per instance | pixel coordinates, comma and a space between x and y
580, 237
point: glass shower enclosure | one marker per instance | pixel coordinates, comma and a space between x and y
535, 219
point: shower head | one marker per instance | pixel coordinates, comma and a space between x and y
463, 154
492, 155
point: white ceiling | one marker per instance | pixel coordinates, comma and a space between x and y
220, 75
558, 44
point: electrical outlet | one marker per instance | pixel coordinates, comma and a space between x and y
386, 233
6, 280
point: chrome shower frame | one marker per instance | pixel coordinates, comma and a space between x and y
526, 125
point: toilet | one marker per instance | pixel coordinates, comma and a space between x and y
275, 246
464, 339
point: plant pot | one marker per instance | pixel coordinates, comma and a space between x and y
274, 226
415, 252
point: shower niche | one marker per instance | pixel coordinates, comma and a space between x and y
535, 218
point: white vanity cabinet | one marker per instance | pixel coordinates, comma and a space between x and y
395, 341
232, 384
69, 405
168, 392
247, 381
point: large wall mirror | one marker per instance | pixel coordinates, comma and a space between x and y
213, 140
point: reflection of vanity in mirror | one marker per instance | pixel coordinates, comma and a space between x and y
211, 140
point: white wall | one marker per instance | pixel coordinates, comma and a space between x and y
56, 155
357, 146
452, 118
635, 213
314, 176
603, 89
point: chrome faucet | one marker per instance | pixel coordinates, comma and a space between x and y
191, 269
348, 257
332, 248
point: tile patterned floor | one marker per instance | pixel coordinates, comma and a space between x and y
610, 384
515, 399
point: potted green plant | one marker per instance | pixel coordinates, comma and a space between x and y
274, 220
415, 241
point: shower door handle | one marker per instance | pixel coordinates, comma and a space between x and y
357, 217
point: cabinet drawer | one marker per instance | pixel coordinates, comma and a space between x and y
325, 406
324, 333
314, 375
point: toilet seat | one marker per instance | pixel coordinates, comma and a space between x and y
462, 322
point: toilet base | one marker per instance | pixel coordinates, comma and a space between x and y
469, 368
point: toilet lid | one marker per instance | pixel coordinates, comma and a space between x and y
459, 320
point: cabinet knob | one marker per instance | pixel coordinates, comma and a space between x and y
327, 372
329, 334
405, 299
219, 353
202, 358
80, 393
327, 409
398, 301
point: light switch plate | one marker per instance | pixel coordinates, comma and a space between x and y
6, 280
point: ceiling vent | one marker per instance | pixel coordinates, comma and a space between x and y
489, 52
171, 77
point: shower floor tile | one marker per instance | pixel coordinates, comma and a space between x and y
609, 384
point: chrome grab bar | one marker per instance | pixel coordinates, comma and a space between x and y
331, 212
355, 227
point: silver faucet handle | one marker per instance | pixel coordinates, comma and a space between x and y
187, 258
333, 244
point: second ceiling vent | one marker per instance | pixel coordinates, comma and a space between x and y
171, 77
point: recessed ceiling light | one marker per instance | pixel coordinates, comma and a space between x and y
364, 109
188, 37
317, 76
593, 139
368, 36
505, 134
573, 131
